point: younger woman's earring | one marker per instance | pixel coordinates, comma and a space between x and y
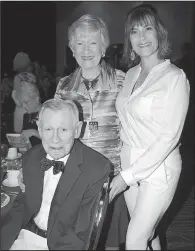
103, 54
132, 55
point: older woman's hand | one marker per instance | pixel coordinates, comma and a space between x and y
117, 186
20, 181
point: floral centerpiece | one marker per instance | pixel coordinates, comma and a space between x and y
14, 164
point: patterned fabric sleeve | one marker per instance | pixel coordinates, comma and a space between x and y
59, 89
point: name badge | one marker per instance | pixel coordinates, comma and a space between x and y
93, 126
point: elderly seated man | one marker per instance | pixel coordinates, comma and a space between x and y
62, 178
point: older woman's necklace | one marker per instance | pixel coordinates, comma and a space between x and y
90, 83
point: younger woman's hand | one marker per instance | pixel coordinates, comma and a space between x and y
117, 186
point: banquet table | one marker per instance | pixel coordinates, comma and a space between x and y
12, 189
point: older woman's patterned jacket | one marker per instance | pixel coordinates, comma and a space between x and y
96, 104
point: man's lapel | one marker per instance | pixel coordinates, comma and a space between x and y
67, 180
35, 174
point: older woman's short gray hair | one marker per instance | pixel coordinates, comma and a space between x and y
96, 23
145, 14
60, 104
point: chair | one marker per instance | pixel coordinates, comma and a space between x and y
98, 218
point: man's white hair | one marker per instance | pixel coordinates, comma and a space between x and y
60, 104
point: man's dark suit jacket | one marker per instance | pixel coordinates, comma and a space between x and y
73, 202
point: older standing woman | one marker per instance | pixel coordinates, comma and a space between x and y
152, 108
94, 86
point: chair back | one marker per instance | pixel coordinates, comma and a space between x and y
98, 217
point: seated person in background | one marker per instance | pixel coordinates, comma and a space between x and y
23, 68
58, 202
28, 98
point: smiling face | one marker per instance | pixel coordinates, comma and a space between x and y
144, 39
58, 129
87, 47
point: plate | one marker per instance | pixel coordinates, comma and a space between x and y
5, 199
18, 156
7, 184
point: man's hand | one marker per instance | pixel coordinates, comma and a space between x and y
117, 185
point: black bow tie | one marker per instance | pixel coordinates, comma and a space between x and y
58, 166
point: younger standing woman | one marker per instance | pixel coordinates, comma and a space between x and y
152, 109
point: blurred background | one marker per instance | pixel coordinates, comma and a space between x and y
40, 29
28, 27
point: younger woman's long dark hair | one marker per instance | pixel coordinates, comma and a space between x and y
143, 15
